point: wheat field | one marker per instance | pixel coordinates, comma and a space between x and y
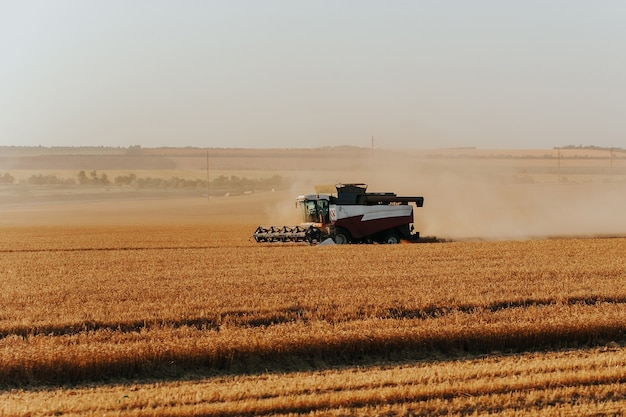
576, 382
116, 301
175, 319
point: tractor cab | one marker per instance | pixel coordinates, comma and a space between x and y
314, 208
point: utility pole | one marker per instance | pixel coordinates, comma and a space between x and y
208, 194
373, 164
559, 164
611, 158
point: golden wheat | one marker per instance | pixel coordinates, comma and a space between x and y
103, 303
575, 382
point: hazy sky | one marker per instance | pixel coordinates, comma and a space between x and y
232, 73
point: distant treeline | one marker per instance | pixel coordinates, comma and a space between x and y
231, 184
614, 153
590, 147
223, 183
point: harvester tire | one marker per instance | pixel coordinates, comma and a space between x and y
391, 238
342, 237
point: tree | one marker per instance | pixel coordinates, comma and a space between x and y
82, 178
7, 178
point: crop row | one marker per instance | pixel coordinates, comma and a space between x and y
575, 382
169, 352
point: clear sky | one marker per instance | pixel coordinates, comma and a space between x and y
289, 73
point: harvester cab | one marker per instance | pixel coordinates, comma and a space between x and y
351, 216
314, 208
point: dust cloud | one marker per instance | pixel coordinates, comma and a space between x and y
499, 199
490, 198
281, 210
459, 208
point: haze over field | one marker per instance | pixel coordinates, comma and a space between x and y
490, 198
418, 74
468, 193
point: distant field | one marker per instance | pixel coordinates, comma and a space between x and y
537, 165
469, 193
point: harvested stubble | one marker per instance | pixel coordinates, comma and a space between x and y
83, 304
588, 382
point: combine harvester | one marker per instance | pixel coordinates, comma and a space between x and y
352, 216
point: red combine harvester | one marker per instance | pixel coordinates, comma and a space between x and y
352, 216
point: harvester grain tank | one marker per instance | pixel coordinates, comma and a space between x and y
351, 216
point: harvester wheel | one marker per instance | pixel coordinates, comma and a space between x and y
391, 238
342, 237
